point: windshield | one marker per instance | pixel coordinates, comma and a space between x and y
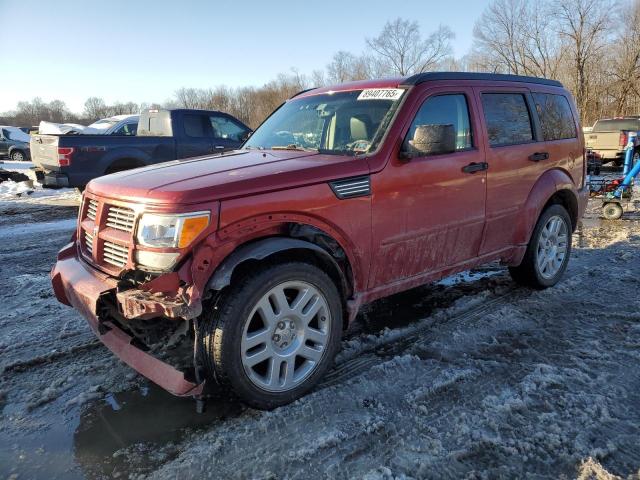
616, 125
341, 123
15, 134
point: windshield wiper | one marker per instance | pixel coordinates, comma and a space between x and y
293, 146
331, 151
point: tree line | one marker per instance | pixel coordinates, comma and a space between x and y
591, 46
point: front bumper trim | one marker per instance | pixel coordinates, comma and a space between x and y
76, 284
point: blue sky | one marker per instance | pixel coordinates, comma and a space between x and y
143, 50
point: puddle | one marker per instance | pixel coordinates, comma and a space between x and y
97, 444
148, 415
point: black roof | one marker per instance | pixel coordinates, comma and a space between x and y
496, 77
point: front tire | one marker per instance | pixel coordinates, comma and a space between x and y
273, 335
18, 156
548, 251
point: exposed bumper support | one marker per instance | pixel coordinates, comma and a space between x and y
78, 285
141, 304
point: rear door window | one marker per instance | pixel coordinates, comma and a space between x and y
197, 126
450, 109
555, 115
507, 118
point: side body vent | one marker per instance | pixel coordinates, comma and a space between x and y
351, 187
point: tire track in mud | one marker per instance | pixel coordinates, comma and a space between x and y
24, 365
385, 349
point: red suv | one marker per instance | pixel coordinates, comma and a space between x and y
259, 258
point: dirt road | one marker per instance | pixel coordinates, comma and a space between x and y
470, 378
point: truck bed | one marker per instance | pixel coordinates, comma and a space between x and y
94, 155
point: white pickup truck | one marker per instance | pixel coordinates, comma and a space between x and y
608, 138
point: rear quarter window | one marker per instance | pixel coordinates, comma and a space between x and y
507, 118
556, 118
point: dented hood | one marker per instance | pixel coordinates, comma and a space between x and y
234, 174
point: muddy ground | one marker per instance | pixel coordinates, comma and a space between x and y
470, 378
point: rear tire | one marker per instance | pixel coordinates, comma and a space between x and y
612, 211
548, 251
268, 348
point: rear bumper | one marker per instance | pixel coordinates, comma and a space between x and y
52, 179
609, 154
80, 286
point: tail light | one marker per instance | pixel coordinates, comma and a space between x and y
623, 139
64, 156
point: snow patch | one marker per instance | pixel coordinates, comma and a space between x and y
38, 228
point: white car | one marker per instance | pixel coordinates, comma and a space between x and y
116, 125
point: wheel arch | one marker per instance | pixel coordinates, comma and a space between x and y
274, 248
123, 163
14, 148
124, 156
553, 187
302, 243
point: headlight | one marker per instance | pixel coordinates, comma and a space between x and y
171, 230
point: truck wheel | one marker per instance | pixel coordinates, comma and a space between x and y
612, 211
18, 156
548, 251
273, 335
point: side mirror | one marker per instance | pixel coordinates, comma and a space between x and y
430, 140
245, 136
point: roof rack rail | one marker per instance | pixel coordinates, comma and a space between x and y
496, 77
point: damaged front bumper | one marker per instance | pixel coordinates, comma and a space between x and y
80, 286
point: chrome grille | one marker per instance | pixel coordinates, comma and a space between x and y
92, 209
121, 218
115, 254
88, 242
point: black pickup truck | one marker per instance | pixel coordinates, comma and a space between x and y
163, 135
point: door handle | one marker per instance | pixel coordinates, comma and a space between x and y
219, 147
474, 167
536, 157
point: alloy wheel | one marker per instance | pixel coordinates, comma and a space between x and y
552, 247
285, 336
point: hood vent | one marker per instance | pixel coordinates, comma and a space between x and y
352, 187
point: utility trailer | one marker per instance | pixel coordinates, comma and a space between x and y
617, 193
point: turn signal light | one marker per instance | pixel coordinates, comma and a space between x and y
191, 228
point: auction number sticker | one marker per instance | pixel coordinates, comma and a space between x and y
381, 94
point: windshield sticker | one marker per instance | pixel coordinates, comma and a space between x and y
381, 94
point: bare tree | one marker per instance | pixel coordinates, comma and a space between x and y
95, 108
583, 24
401, 46
517, 36
345, 67
190, 97
625, 60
